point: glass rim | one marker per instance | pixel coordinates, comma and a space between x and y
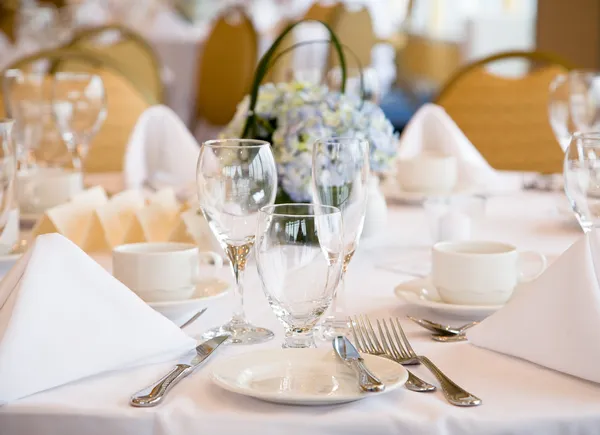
334, 139
19, 73
593, 135
222, 143
331, 210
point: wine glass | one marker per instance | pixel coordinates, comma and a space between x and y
356, 81
582, 178
340, 177
299, 252
25, 102
236, 178
79, 109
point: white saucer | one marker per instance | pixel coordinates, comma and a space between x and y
30, 218
206, 292
302, 376
421, 293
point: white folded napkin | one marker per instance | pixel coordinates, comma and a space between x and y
432, 130
63, 318
161, 152
553, 321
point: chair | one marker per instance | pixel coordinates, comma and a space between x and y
354, 28
227, 67
506, 119
325, 13
126, 100
8, 15
127, 48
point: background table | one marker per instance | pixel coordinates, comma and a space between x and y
519, 397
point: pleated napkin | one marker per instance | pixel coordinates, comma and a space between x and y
553, 321
161, 153
63, 318
432, 130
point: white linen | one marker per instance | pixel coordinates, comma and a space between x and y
553, 321
519, 397
63, 318
431, 129
161, 152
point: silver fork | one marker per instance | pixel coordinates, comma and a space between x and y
372, 346
453, 393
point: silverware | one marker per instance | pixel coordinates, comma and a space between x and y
438, 328
193, 318
449, 338
367, 381
367, 342
454, 394
154, 394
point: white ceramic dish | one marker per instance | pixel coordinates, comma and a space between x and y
393, 191
207, 291
421, 293
302, 376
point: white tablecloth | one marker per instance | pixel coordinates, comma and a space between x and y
519, 397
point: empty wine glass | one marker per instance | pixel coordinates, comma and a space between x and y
582, 178
340, 176
236, 178
79, 109
299, 254
25, 102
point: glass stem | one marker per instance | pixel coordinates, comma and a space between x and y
299, 338
238, 256
338, 305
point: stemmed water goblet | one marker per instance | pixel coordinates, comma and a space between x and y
582, 178
79, 110
25, 103
299, 252
340, 179
236, 178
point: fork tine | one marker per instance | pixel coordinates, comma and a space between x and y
366, 332
378, 346
390, 349
405, 340
362, 334
396, 343
355, 334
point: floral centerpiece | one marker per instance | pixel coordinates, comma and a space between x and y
292, 116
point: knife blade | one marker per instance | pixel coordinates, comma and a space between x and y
155, 393
367, 381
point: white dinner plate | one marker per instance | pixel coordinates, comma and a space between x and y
206, 292
302, 376
421, 293
393, 191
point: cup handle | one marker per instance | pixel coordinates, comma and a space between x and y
537, 257
210, 257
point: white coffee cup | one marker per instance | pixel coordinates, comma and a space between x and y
42, 188
428, 173
480, 273
159, 272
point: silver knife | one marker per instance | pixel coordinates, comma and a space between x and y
367, 381
154, 394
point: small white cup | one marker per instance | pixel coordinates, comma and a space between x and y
480, 273
428, 173
43, 188
159, 272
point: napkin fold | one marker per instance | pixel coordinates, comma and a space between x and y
553, 321
431, 129
161, 152
64, 318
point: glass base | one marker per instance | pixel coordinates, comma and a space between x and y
332, 327
240, 333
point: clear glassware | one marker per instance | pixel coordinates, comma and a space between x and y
25, 99
370, 82
340, 179
8, 180
236, 178
299, 252
79, 109
582, 178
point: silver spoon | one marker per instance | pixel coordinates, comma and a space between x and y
193, 318
438, 328
449, 338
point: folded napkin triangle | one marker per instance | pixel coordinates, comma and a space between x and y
161, 152
63, 318
553, 321
431, 129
